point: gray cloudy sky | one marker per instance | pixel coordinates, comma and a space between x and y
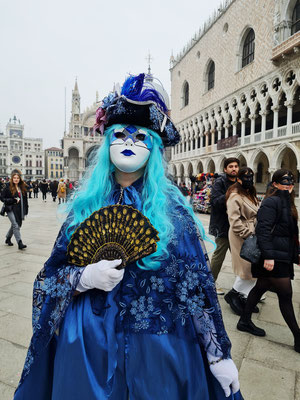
44, 45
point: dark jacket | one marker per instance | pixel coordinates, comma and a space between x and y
53, 187
11, 204
219, 225
44, 187
277, 230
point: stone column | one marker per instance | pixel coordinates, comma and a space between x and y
263, 124
275, 110
172, 153
201, 143
252, 132
271, 172
206, 142
234, 125
298, 169
243, 130
226, 131
213, 137
289, 105
219, 132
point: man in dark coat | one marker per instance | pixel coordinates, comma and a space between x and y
219, 225
44, 189
53, 188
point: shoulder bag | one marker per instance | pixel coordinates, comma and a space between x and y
250, 250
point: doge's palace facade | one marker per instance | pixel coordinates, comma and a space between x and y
235, 91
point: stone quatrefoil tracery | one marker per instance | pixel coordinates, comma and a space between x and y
210, 122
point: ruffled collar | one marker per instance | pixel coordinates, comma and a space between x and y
130, 195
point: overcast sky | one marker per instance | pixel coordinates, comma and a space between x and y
44, 45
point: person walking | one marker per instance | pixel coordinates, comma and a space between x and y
14, 196
53, 188
277, 235
29, 189
61, 191
242, 207
219, 225
44, 189
35, 189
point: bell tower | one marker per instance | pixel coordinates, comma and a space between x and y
75, 117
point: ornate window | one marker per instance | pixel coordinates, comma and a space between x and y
185, 93
296, 18
248, 48
211, 76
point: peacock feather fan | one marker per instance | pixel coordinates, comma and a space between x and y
134, 88
113, 232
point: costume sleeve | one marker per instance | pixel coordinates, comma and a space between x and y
197, 293
52, 294
234, 216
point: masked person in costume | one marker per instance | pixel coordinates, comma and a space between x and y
154, 329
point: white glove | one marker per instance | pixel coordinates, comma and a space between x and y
227, 375
103, 275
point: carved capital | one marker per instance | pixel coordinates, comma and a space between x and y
289, 103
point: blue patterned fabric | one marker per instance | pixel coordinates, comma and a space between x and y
179, 299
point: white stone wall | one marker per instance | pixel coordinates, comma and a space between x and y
223, 49
257, 107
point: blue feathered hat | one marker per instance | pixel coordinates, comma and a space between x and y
138, 104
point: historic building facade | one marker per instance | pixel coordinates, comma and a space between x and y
81, 140
235, 91
54, 163
79, 143
19, 152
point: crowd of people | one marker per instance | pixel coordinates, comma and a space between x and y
236, 215
14, 193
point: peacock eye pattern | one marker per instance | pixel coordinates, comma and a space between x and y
113, 232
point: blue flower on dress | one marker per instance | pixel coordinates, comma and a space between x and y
173, 266
141, 309
157, 284
195, 304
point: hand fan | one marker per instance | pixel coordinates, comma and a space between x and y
113, 232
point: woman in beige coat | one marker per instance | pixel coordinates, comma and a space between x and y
61, 191
242, 207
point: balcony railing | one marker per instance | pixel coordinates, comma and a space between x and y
258, 137
269, 134
281, 131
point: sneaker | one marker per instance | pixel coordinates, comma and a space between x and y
248, 326
220, 291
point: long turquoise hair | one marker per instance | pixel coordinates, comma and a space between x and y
159, 195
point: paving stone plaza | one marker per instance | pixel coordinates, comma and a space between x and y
269, 367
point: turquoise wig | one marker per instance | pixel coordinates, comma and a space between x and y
159, 195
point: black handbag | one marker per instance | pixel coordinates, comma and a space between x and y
2, 212
250, 250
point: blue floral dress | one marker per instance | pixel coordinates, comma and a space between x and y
145, 340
